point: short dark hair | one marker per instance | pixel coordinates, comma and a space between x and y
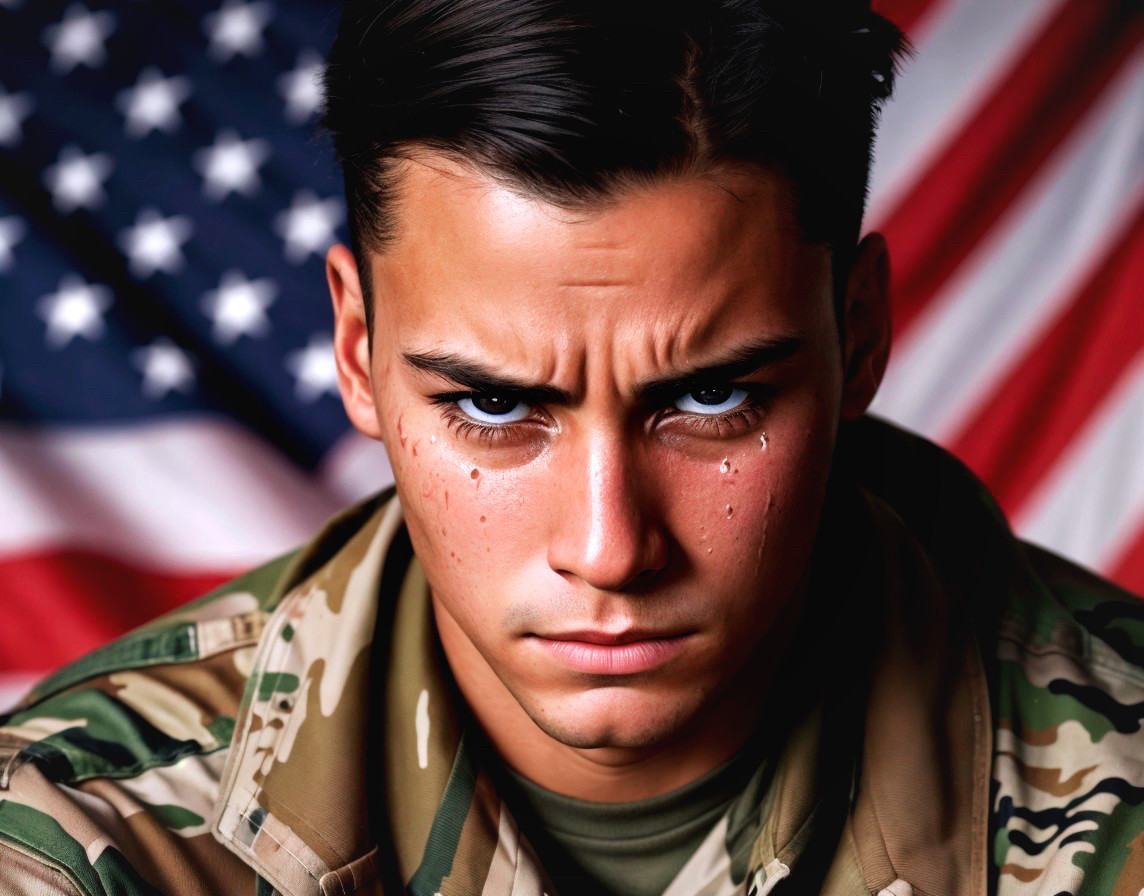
572, 101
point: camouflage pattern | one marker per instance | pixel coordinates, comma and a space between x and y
1069, 769
296, 732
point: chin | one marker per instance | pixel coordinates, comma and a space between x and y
609, 718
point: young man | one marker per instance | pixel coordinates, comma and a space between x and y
654, 609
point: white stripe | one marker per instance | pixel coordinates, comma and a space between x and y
1092, 502
962, 54
355, 468
182, 495
14, 685
1042, 250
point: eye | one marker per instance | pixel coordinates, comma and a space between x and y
494, 409
710, 401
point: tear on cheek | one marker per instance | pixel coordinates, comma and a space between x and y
763, 532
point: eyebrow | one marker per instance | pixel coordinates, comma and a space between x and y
474, 376
738, 363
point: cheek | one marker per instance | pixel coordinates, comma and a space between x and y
469, 524
756, 510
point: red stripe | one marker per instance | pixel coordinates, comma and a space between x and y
1036, 411
905, 13
69, 602
1128, 570
999, 149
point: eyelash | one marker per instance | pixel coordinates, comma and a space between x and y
732, 423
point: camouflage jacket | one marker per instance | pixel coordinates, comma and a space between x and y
961, 714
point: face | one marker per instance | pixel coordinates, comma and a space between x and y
611, 433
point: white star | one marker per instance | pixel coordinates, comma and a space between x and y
79, 38
302, 87
315, 371
308, 225
153, 103
75, 309
231, 165
238, 306
236, 28
155, 243
166, 368
12, 230
14, 108
76, 180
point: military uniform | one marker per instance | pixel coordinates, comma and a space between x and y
960, 714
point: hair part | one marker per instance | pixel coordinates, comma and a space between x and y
574, 102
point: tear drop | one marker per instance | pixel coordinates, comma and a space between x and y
763, 442
725, 467
730, 510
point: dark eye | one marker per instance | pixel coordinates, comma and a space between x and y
711, 400
493, 408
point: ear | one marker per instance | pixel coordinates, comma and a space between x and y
351, 341
866, 325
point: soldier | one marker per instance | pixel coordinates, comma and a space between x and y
654, 608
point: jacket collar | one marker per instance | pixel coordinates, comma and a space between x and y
292, 802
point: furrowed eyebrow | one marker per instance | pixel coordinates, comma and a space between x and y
741, 362
471, 375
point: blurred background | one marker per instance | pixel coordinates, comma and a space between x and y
168, 405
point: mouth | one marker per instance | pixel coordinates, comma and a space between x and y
611, 653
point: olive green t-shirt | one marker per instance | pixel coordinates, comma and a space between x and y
625, 849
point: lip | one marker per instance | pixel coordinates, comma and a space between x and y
603, 653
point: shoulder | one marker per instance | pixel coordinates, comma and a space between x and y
1069, 752
1065, 650
117, 756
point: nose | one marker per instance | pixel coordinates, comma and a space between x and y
608, 532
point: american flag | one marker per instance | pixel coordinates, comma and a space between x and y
168, 408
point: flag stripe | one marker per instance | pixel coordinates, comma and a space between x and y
909, 15
14, 685
998, 304
1091, 504
189, 494
74, 601
965, 51
1128, 568
1000, 148
1011, 442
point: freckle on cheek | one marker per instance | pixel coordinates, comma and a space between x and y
476, 474
482, 519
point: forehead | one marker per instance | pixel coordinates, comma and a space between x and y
678, 263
